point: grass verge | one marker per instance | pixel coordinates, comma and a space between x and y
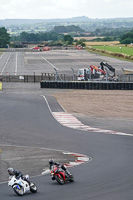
118, 55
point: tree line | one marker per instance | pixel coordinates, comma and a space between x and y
37, 37
54, 38
68, 29
127, 38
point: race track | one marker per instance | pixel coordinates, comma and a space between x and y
25, 120
107, 176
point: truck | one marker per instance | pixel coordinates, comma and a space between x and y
94, 72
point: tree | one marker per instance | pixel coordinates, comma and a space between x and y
127, 41
127, 38
4, 37
68, 39
97, 32
81, 42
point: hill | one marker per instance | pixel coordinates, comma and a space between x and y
16, 26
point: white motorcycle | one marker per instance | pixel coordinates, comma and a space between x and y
21, 186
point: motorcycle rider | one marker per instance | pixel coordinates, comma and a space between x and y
52, 164
17, 174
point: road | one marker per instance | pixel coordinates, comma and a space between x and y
28, 63
25, 120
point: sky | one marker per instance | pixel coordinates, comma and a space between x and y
54, 9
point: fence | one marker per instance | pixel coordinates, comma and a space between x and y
37, 78
126, 78
54, 77
27, 78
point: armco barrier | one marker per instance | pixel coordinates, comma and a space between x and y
87, 85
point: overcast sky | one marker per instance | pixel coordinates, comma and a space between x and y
52, 9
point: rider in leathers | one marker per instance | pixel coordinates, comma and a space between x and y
51, 166
17, 174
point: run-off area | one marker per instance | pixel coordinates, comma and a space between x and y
29, 160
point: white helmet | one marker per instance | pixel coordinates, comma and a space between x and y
10, 171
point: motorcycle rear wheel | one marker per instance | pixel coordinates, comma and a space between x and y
71, 178
19, 192
59, 179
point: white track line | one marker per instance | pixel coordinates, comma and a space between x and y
5, 64
47, 104
2, 55
16, 67
48, 62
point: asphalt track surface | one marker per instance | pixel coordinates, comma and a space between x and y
25, 120
28, 63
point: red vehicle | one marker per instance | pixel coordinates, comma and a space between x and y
58, 174
46, 49
36, 48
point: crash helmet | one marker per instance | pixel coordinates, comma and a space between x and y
10, 171
51, 162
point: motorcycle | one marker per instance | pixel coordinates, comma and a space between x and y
60, 175
21, 186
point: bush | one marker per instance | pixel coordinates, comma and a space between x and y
127, 41
127, 38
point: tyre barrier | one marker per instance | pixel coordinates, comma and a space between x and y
87, 85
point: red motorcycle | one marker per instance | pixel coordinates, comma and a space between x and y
60, 175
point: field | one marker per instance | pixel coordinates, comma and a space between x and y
116, 49
86, 38
111, 43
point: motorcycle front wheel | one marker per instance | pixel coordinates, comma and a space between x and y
59, 179
33, 187
19, 190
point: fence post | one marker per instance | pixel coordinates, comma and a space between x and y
48, 76
9, 78
42, 77
64, 77
34, 78
73, 73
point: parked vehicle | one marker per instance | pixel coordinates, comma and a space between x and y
85, 74
104, 71
21, 186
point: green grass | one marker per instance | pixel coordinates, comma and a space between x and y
116, 49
